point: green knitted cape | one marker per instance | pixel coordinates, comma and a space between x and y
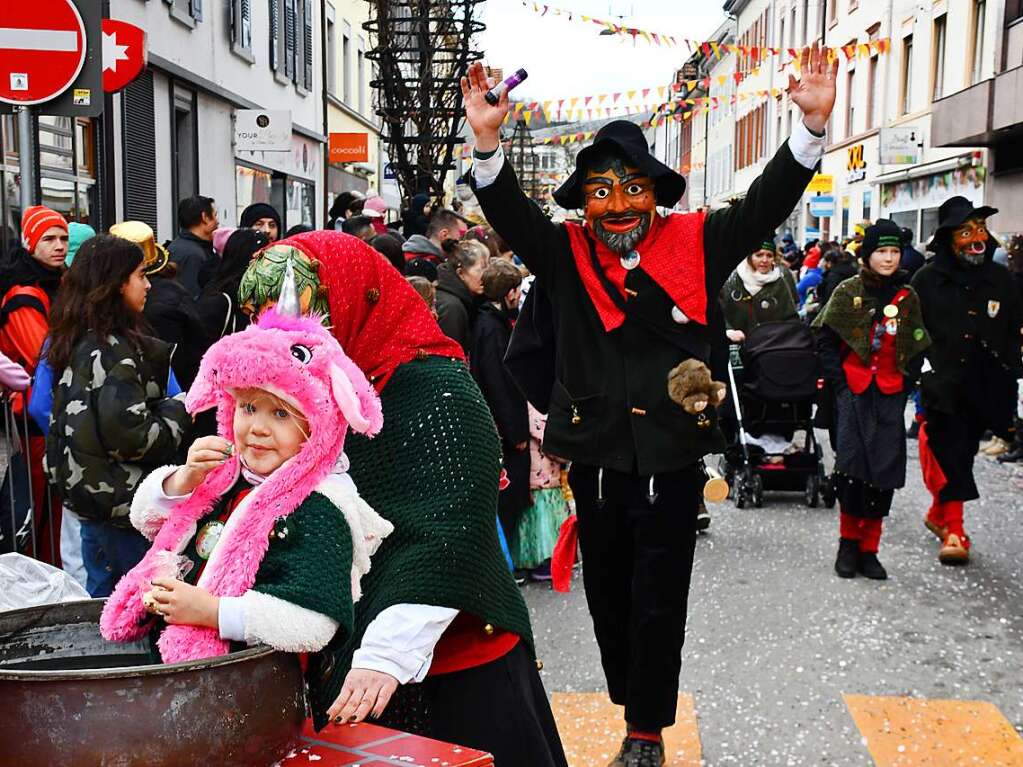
851, 311
433, 473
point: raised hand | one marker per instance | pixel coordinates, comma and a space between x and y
814, 92
484, 119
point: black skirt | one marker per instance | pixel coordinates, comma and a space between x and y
871, 437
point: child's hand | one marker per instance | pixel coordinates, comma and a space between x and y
364, 693
180, 603
205, 455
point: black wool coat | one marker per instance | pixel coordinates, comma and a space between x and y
974, 316
507, 404
609, 405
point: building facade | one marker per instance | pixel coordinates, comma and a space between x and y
348, 96
170, 134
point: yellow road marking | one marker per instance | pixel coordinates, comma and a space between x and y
918, 732
592, 728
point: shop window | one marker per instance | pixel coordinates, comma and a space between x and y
928, 224
905, 219
301, 204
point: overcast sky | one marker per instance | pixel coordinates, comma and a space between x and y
569, 58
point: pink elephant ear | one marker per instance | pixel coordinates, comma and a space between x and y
204, 393
357, 400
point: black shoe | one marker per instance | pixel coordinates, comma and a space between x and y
848, 558
869, 566
702, 518
1013, 456
637, 752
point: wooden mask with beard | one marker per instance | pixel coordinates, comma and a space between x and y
969, 241
620, 202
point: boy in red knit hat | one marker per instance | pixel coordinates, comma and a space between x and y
29, 278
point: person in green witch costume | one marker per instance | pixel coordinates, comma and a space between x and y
870, 337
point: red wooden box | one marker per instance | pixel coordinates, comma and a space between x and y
369, 745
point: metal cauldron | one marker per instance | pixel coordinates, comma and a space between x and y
69, 697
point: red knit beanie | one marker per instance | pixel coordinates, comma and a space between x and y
34, 223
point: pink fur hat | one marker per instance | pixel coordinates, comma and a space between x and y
298, 360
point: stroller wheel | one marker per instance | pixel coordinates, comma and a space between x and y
813, 491
758, 491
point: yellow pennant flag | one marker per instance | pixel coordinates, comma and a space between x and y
573, 101
601, 98
528, 116
722, 79
865, 50
631, 95
660, 91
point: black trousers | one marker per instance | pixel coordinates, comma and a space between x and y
637, 563
954, 440
500, 707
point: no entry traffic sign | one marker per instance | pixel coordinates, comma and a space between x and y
42, 49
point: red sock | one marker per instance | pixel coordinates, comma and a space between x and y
871, 535
849, 526
936, 514
654, 736
954, 519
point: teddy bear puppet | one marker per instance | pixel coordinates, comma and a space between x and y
690, 385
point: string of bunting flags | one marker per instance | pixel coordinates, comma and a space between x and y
709, 47
526, 112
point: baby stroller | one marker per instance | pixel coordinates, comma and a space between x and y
774, 384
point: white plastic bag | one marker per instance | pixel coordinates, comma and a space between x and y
27, 582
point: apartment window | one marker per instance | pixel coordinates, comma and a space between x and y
275, 9
184, 143
850, 107
979, 15
781, 41
906, 88
792, 29
305, 76
832, 11
331, 55
188, 12
779, 136
871, 88
806, 21
938, 57
360, 71
241, 28
346, 69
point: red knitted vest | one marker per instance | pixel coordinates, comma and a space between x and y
671, 254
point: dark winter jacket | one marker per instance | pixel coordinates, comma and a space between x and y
775, 301
220, 315
196, 261
111, 424
610, 404
974, 317
490, 338
834, 277
456, 306
171, 313
912, 260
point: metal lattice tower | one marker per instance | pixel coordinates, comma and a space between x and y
524, 161
422, 49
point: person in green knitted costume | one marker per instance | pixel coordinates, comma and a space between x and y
441, 643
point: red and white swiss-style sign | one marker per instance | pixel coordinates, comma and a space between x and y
124, 54
42, 49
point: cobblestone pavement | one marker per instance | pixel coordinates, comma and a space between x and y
786, 664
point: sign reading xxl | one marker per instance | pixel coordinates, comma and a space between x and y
855, 164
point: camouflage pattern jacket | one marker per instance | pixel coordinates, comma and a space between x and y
111, 424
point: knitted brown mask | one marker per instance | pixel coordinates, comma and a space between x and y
969, 241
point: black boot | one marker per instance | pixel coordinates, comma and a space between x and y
702, 518
848, 558
870, 567
1013, 456
639, 752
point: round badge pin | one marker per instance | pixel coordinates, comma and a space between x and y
679, 316
765, 304
630, 260
208, 538
918, 334
891, 311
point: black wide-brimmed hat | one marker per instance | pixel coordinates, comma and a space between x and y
626, 139
955, 212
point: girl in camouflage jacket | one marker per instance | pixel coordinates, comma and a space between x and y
111, 420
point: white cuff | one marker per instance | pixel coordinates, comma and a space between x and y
151, 506
231, 617
485, 171
400, 641
806, 147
